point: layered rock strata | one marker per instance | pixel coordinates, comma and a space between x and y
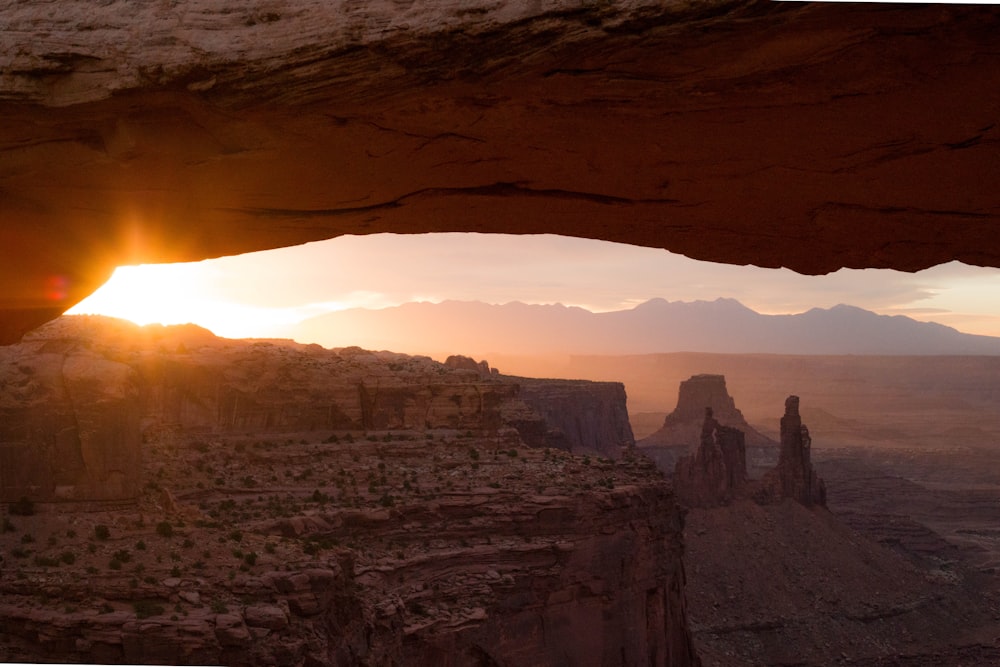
455, 554
580, 415
80, 396
69, 423
717, 472
683, 428
684, 425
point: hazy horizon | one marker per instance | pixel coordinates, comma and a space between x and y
261, 294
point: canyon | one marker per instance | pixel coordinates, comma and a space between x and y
287, 504
80, 395
891, 572
842, 135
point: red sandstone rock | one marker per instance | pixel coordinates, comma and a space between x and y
82, 393
843, 134
684, 425
794, 477
717, 472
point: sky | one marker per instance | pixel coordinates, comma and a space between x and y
256, 294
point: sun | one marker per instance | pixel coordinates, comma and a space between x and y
179, 294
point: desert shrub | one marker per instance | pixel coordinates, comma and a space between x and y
250, 558
115, 564
236, 535
140, 545
102, 532
23, 507
147, 608
219, 606
164, 529
27, 538
67, 557
44, 561
8, 527
123, 555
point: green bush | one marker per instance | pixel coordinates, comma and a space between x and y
164, 529
23, 507
147, 608
102, 532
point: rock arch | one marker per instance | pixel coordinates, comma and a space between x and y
811, 136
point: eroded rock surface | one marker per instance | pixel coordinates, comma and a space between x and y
81, 394
717, 472
794, 477
69, 423
843, 134
394, 549
683, 429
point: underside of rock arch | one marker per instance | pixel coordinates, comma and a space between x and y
811, 136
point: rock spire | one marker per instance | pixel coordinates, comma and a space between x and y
794, 477
715, 474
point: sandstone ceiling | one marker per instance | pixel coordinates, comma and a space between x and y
811, 136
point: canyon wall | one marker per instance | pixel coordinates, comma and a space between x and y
683, 428
69, 423
581, 416
81, 394
311, 551
717, 472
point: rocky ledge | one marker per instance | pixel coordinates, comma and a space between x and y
80, 396
405, 548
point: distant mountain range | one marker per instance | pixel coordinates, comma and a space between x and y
723, 325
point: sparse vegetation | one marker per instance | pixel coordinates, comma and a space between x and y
147, 608
23, 507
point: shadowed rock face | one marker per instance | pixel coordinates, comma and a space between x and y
794, 476
685, 425
807, 136
715, 474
